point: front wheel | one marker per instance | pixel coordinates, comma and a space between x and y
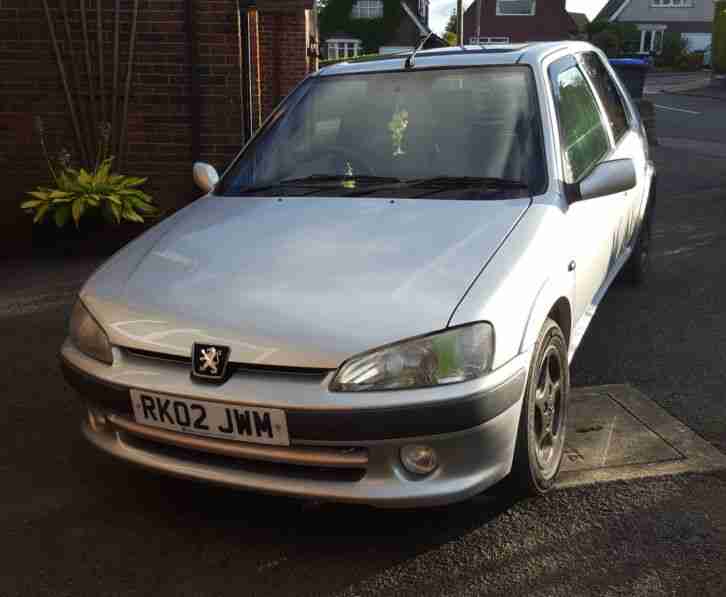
543, 422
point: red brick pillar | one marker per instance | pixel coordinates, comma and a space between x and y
284, 43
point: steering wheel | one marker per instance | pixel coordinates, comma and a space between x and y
345, 156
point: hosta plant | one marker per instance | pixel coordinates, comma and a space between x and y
79, 193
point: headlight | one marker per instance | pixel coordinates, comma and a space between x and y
88, 336
448, 357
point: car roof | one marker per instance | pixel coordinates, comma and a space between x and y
458, 56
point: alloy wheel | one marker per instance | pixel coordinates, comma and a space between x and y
548, 424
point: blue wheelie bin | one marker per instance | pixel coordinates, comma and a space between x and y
632, 72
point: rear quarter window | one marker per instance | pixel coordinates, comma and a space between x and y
608, 92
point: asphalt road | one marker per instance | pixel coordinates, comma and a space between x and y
74, 522
667, 339
690, 117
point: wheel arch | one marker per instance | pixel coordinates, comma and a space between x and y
554, 301
561, 314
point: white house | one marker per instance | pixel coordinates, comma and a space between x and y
693, 19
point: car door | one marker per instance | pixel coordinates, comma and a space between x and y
629, 144
584, 142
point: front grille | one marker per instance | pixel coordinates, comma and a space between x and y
234, 367
159, 356
288, 471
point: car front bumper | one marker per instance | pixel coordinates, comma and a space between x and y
343, 454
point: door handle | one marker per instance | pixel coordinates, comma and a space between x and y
572, 266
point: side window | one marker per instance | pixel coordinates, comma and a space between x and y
608, 92
583, 136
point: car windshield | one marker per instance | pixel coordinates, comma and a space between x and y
431, 130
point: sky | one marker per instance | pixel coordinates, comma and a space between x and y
441, 9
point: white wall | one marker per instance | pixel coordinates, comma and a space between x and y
644, 11
698, 41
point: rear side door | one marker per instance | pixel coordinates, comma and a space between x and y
585, 142
627, 137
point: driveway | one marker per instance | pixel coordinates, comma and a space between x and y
75, 522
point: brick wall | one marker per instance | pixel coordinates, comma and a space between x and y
160, 114
219, 68
283, 54
28, 87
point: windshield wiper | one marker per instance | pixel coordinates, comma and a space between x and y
366, 184
341, 178
425, 187
467, 182
321, 181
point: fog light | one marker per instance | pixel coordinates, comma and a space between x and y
419, 460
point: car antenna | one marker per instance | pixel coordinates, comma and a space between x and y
411, 59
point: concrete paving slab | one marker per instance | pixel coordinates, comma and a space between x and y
615, 432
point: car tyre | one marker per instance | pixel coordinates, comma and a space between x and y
638, 266
543, 422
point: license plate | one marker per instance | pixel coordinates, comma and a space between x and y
211, 419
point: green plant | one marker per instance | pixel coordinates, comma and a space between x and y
694, 61
359, 58
451, 38
79, 193
675, 47
719, 38
614, 38
608, 41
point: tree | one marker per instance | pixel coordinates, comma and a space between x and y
453, 25
675, 48
719, 39
608, 41
614, 38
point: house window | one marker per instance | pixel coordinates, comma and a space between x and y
343, 48
651, 38
672, 3
423, 9
367, 9
521, 8
483, 41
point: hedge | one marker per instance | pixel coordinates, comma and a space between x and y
359, 58
719, 38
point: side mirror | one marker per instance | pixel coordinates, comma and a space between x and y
205, 176
608, 178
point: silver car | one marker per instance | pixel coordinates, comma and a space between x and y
379, 300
